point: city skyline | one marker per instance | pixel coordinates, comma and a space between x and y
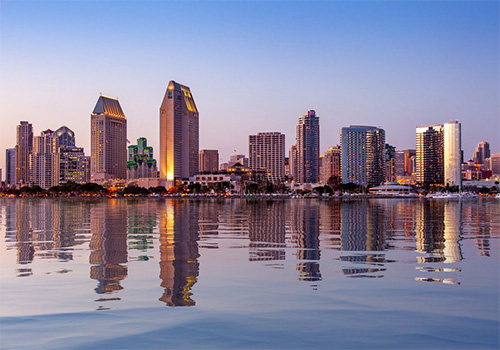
349, 81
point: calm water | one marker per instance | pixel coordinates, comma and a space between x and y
157, 273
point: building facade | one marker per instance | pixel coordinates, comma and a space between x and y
24, 148
10, 166
452, 153
179, 133
363, 158
208, 160
44, 160
307, 136
481, 153
74, 166
495, 163
141, 163
429, 154
108, 158
390, 163
331, 164
405, 163
65, 137
266, 151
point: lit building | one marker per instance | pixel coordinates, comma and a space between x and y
390, 163
308, 148
179, 133
495, 163
209, 160
74, 166
24, 148
452, 154
65, 137
10, 166
44, 162
363, 159
108, 140
141, 163
481, 153
429, 154
331, 164
238, 158
405, 162
267, 152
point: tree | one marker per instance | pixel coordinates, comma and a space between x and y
335, 182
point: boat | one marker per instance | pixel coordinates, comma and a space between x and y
443, 195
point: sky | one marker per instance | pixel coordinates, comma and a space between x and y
253, 67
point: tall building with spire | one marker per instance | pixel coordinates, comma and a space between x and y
307, 161
179, 133
24, 148
108, 159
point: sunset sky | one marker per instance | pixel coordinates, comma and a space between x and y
254, 67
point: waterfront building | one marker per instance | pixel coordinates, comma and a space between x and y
209, 160
179, 133
390, 163
24, 148
495, 163
10, 166
74, 166
108, 140
44, 160
141, 163
307, 135
363, 159
331, 164
429, 154
405, 163
452, 153
481, 153
267, 152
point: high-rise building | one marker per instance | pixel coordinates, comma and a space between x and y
74, 166
495, 163
141, 163
24, 147
405, 162
307, 148
363, 159
331, 164
208, 160
292, 156
452, 153
10, 166
481, 153
266, 151
44, 160
65, 137
439, 154
429, 154
390, 163
108, 158
179, 133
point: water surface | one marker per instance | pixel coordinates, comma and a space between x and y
174, 273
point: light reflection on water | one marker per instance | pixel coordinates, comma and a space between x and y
119, 242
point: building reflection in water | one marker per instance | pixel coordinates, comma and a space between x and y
44, 228
179, 265
142, 218
266, 230
363, 230
304, 225
108, 245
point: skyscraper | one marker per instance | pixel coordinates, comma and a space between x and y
405, 162
363, 159
44, 160
141, 163
208, 160
481, 153
10, 166
108, 140
179, 133
439, 154
24, 147
331, 164
452, 153
74, 166
266, 151
390, 163
429, 153
307, 162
